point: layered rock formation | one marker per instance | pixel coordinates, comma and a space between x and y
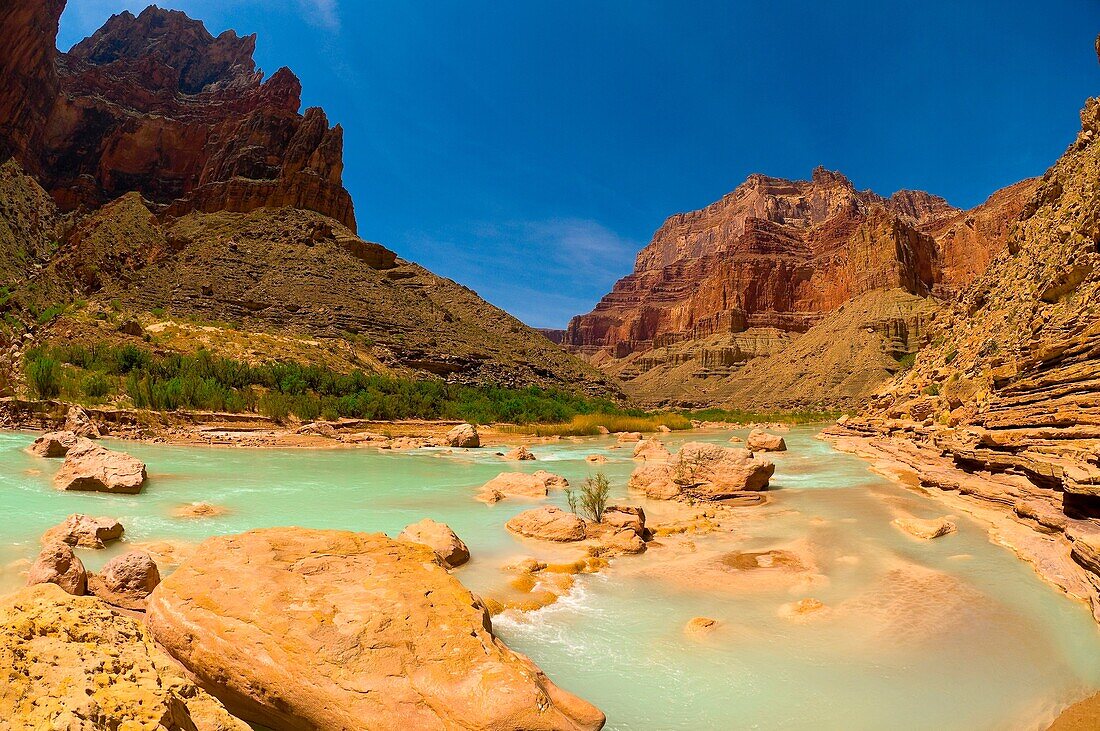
743, 278
157, 105
152, 169
1004, 407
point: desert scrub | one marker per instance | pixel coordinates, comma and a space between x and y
593, 496
43, 375
586, 425
203, 381
737, 416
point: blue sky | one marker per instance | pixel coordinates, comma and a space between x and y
529, 149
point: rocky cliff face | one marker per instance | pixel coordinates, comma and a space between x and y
151, 169
155, 104
743, 277
1004, 407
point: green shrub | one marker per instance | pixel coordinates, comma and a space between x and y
593, 498
43, 374
95, 386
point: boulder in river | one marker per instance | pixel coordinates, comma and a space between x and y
522, 485
57, 564
84, 531
78, 422
355, 631
463, 435
126, 581
519, 454
704, 471
761, 441
55, 444
548, 523
70, 662
651, 450
92, 467
440, 538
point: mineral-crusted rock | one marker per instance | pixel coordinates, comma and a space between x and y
361, 631
440, 538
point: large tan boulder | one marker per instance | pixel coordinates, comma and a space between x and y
629, 517
57, 564
71, 662
78, 422
651, 450
84, 531
126, 581
704, 471
92, 467
463, 435
761, 441
548, 523
521, 485
54, 444
319, 629
628, 436
440, 538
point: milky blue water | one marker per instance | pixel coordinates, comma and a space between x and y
954, 633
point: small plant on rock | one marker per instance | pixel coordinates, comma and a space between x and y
593, 497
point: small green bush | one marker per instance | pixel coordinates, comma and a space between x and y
593, 498
43, 374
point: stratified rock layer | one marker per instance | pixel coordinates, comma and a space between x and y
155, 104
1004, 408
724, 293
348, 630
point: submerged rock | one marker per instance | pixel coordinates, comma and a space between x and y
520, 454
926, 529
126, 581
84, 531
463, 435
761, 441
57, 564
92, 467
359, 631
199, 510
70, 662
548, 523
698, 626
440, 538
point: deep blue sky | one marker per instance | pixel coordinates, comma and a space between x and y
529, 149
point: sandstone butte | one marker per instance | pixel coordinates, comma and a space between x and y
788, 293
1002, 411
152, 168
348, 630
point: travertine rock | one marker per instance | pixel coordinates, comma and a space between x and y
92, 467
761, 441
54, 444
519, 454
79, 423
71, 663
548, 523
126, 581
926, 529
463, 435
518, 484
440, 538
357, 631
57, 564
651, 450
84, 531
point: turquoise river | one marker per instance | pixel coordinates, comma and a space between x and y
955, 633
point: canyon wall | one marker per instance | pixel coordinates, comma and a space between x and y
747, 275
1003, 409
155, 104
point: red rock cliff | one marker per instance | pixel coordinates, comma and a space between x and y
773, 253
154, 103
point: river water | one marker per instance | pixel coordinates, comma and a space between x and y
954, 633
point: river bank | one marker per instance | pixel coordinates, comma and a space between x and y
883, 648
